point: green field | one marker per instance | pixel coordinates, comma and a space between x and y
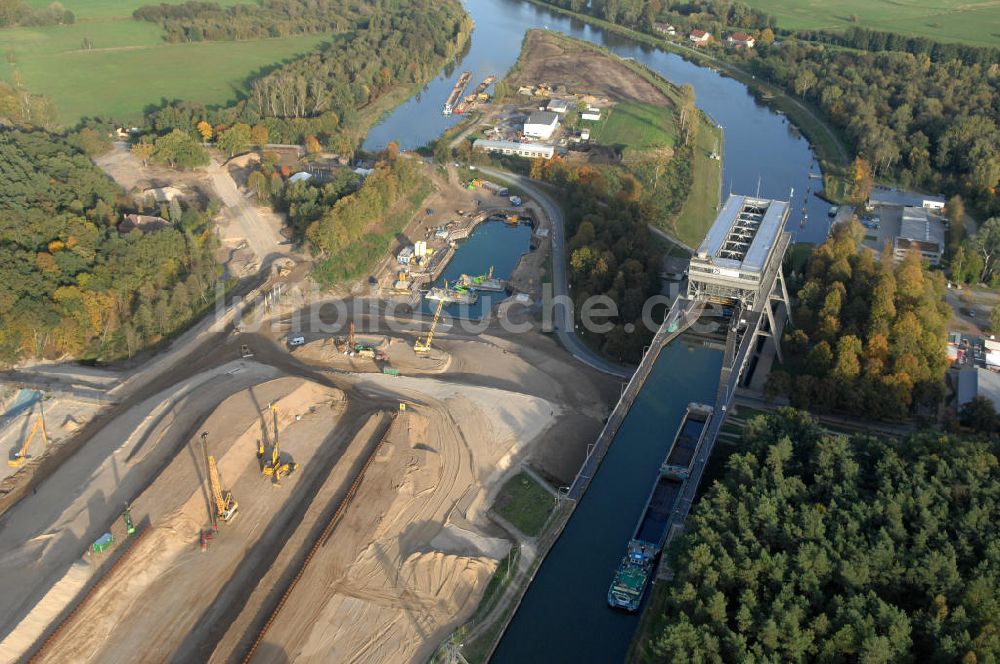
525, 504
701, 206
635, 126
105, 8
130, 66
976, 23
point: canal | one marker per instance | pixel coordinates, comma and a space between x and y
564, 615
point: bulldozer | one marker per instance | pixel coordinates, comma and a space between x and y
225, 504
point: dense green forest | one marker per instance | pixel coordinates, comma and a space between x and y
334, 94
208, 21
611, 250
869, 334
925, 115
814, 547
362, 226
74, 285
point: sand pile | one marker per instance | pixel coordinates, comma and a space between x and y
407, 562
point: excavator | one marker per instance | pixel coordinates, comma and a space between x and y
276, 468
22, 454
424, 345
225, 504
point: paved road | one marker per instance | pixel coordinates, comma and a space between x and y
560, 287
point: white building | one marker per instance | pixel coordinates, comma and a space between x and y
559, 106
541, 124
591, 114
529, 150
700, 37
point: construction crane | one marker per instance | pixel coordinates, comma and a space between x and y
225, 504
276, 468
22, 454
424, 346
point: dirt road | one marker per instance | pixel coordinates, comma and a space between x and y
261, 233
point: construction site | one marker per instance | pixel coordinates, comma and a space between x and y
240, 500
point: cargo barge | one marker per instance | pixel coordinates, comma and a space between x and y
633, 574
456, 92
478, 95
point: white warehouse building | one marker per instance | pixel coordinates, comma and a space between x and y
541, 124
529, 150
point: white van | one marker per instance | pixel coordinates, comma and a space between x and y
297, 341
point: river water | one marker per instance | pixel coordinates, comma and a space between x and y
564, 615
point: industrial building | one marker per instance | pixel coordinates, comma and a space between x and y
528, 150
744, 246
922, 230
895, 198
541, 124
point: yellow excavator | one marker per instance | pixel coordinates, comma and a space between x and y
276, 468
424, 345
225, 504
22, 454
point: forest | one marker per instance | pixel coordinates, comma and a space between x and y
74, 285
925, 116
208, 21
361, 227
816, 547
869, 334
611, 250
332, 93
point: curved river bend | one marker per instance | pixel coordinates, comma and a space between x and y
564, 616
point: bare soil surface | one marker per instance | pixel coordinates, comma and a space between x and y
410, 558
153, 602
548, 58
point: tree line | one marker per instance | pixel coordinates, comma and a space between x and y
327, 94
19, 13
350, 236
611, 250
869, 334
815, 547
208, 21
925, 116
74, 285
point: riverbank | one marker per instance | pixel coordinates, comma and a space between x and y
639, 130
833, 154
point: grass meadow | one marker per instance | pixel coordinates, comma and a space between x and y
976, 23
130, 67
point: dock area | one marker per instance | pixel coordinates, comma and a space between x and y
456, 92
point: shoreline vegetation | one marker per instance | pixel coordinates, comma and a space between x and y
830, 148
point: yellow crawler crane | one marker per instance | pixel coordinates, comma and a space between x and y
22, 454
225, 504
276, 468
424, 346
